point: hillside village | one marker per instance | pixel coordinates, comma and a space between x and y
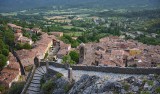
12, 71
115, 51
110, 51
79, 47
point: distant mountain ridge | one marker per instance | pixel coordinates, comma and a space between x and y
14, 5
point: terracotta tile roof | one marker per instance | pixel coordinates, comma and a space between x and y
17, 35
9, 73
14, 26
24, 39
64, 45
62, 52
117, 52
18, 31
40, 48
26, 56
108, 63
13, 62
7, 76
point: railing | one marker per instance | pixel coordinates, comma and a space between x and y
28, 81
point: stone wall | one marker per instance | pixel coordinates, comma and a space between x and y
112, 69
118, 70
28, 80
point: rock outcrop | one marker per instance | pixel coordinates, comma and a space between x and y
95, 85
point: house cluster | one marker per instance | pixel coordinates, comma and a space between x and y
18, 33
64, 49
40, 48
10, 72
19, 38
115, 51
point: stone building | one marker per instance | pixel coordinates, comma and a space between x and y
82, 53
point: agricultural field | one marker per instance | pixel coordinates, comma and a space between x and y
74, 34
70, 27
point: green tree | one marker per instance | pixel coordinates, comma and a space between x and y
5, 52
74, 43
3, 61
26, 34
9, 37
2, 45
19, 46
66, 59
72, 62
34, 37
74, 56
27, 46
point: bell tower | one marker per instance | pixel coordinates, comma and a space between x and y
82, 53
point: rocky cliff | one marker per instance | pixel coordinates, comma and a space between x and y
149, 84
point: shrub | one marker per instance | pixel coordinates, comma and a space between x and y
158, 90
42, 81
59, 75
67, 87
46, 55
16, 88
144, 92
20, 46
72, 62
28, 68
27, 46
66, 59
48, 87
126, 86
150, 83
2, 88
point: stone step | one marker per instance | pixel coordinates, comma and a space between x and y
35, 82
31, 92
41, 70
44, 68
34, 89
38, 74
34, 85
37, 78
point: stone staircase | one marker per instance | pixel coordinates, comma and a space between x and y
34, 87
